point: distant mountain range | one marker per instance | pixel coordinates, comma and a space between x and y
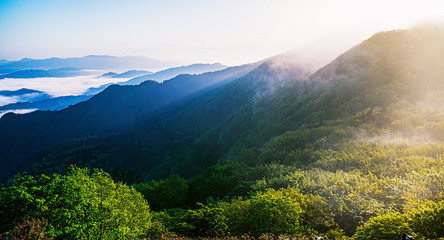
59, 73
127, 74
160, 75
173, 72
59, 103
141, 76
53, 104
98, 62
19, 92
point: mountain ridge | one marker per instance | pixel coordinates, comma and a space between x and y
53, 73
98, 62
349, 82
125, 104
255, 84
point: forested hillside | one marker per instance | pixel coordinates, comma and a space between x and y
116, 109
152, 149
353, 150
364, 134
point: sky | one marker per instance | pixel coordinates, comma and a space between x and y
231, 32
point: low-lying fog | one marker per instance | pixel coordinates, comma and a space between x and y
55, 87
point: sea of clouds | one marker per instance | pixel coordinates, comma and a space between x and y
55, 87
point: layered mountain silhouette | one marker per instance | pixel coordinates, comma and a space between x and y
59, 103
102, 62
160, 75
127, 74
59, 72
48, 103
116, 109
22, 91
188, 123
172, 72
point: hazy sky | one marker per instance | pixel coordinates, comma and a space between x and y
227, 31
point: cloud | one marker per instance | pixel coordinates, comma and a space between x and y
6, 100
17, 111
55, 86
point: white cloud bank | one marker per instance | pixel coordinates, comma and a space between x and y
55, 87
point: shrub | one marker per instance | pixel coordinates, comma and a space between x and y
385, 227
427, 220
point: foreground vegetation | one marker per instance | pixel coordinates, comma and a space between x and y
91, 206
74, 206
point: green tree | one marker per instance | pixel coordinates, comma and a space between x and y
165, 193
284, 211
207, 221
427, 219
76, 206
385, 227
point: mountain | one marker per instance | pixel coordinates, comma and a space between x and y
173, 72
219, 104
63, 102
4, 61
60, 72
385, 70
155, 138
172, 127
116, 109
365, 85
109, 74
19, 92
127, 74
160, 76
55, 103
99, 62
24, 94
364, 134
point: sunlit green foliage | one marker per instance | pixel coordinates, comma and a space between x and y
278, 211
284, 211
424, 218
78, 205
427, 219
385, 227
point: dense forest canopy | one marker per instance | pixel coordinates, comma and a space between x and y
355, 149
